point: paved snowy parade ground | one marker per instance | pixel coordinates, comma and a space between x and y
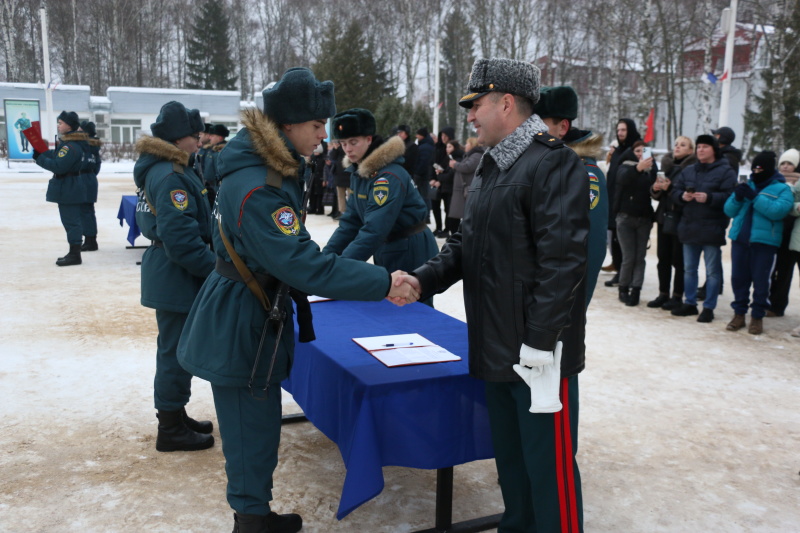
684, 427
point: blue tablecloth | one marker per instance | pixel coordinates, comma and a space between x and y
127, 213
422, 416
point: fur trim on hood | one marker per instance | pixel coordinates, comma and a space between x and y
162, 149
268, 143
94, 142
380, 157
589, 145
74, 136
219, 146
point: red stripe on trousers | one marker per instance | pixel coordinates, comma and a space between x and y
565, 474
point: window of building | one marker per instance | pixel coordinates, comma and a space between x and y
125, 130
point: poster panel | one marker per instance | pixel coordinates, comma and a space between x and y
19, 115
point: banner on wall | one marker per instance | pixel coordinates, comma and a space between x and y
20, 115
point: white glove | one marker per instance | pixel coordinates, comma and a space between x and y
541, 371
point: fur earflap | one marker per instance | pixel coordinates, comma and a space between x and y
380, 157
268, 143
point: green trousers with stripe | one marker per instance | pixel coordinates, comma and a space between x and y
535, 457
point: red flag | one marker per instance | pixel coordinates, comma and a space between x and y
651, 130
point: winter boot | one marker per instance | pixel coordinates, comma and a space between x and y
660, 300
200, 426
736, 323
685, 310
756, 326
633, 297
707, 315
623, 294
271, 523
89, 244
673, 303
173, 435
72, 258
613, 282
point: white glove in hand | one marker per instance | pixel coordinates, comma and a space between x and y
541, 371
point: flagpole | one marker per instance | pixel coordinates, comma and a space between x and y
436, 92
47, 123
730, 41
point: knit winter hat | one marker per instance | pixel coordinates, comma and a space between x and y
353, 123
791, 156
557, 102
89, 128
764, 164
709, 140
726, 135
298, 97
173, 122
70, 118
221, 130
519, 78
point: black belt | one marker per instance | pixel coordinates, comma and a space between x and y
406, 232
158, 244
68, 175
228, 270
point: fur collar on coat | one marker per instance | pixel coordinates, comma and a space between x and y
161, 149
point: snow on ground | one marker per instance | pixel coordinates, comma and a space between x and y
684, 427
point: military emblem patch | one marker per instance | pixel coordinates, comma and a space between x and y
287, 221
594, 191
64, 151
380, 194
179, 199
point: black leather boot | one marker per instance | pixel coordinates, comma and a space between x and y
613, 281
623, 294
249, 523
173, 435
200, 426
633, 297
72, 258
271, 523
89, 244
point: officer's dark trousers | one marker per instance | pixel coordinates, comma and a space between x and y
172, 384
785, 262
88, 220
751, 265
251, 432
71, 220
535, 456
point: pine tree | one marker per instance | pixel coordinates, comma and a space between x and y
349, 61
457, 59
209, 63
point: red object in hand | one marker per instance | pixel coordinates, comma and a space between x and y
35, 138
37, 126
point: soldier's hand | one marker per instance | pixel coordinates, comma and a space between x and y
405, 289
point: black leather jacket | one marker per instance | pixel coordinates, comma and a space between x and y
521, 252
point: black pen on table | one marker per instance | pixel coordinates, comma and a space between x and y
392, 344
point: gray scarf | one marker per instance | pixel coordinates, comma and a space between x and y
509, 149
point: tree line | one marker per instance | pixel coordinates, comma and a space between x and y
381, 55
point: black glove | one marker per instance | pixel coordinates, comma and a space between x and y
742, 191
36, 154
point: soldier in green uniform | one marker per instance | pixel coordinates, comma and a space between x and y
22, 124
67, 187
217, 139
173, 213
385, 216
228, 338
88, 218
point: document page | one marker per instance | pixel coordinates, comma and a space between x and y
386, 342
414, 356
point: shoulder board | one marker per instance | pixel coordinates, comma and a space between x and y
274, 179
177, 168
548, 140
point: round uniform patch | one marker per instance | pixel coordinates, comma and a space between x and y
286, 220
179, 199
64, 151
594, 191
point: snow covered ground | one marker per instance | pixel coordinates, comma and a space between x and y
685, 427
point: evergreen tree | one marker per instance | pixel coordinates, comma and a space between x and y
209, 64
349, 60
457, 60
393, 111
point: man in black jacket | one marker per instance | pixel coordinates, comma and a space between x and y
726, 136
521, 253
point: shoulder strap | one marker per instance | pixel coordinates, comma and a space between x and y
177, 168
244, 272
274, 179
403, 187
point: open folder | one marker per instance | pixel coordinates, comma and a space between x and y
407, 349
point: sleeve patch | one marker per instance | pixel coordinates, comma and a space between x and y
381, 181
287, 221
179, 199
380, 194
64, 151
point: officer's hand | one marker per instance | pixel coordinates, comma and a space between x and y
405, 289
543, 379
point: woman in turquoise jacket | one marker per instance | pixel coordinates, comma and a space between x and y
757, 208
228, 339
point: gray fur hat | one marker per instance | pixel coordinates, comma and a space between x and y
519, 78
298, 97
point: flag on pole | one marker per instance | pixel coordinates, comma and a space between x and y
650, 135
723, 77
708, 77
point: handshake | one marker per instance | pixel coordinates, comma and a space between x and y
405, 289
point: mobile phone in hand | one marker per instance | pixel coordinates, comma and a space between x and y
690, 190
647, 153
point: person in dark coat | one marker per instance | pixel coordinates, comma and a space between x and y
426, 152
726, 136
410, 156
443, 183
669, 249
88, 218
521, 253
702, 190
174, 214
786, 259
464, 171
71, 167
318, 160
341, 179
258, 225
441, 168
627, 134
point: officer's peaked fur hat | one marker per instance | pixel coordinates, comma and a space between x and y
353, 123
519, 78
299, 97
70, 118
